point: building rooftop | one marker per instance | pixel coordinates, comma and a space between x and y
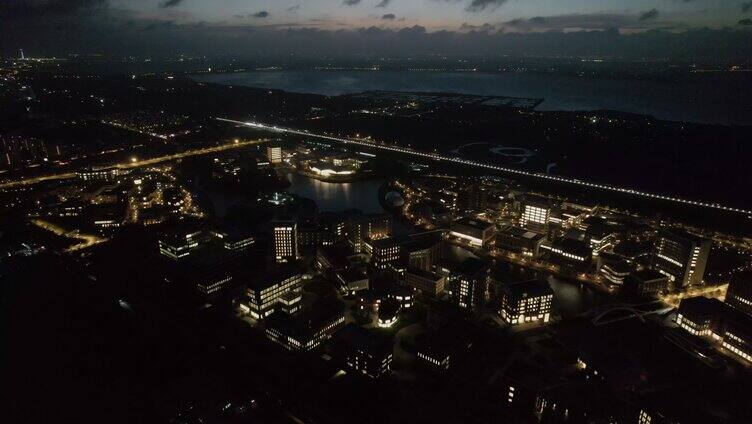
304, 326
473, 223
357, 337
573, 246
647, 274
264, 280
702, 305
521, 232
530, 288
680, 234
423, 273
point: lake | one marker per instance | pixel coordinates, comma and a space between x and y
724, 99
361, 194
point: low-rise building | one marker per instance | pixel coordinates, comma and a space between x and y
614, 270
439, 350
476, 233
235, 238
425, 281
718, 322
418, 250
353, 279
363, 351
520, 240
571, 252
646, 282
526, 301
264, 292
739, 293
306, 331
179, 244
470, 284
700, 315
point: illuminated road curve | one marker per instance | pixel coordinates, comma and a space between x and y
87, 240
538, 175
136, 164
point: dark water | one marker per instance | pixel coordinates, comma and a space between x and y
724, 99
361, 195
572, 299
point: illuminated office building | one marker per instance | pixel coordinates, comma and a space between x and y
526, 301
234, 239
646, 282
681, 257
368, 227
439, 350
285, 242
263, 293
700, 315
418, 250
274, 154
476, 233
385, 251
739, 293
104, 174
571, 252
178, 245
537, 212
614, 270
363, 351
303, 332
470, 284
519, 240
720, 323
425, 281
290, 302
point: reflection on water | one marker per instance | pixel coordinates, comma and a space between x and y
457, 254
571, 298
363, 195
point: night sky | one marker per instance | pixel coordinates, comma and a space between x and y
206, 27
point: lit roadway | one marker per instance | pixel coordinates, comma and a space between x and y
87, 240
134, 163
537, 175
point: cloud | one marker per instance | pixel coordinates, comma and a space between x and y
261, 14
745, 22
578, 22
413, 30
170, 3
746, 7
293, 8
480, 5
618, 35
537, 20
389, 16
486, 27
383, 3
650, 14
20, 9
350, 2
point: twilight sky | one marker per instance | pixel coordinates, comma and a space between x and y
332, 26
445, 14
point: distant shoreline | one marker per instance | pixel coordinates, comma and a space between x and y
725, 101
